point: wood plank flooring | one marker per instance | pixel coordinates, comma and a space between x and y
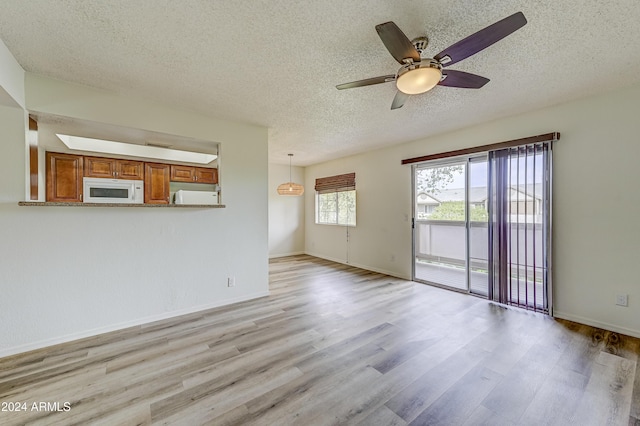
334, 345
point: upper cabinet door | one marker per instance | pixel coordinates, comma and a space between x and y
205, 175
64, 177
111, 168
100, 167
133, 170
156, 183
193, 174
182, 173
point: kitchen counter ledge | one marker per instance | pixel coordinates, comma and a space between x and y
180, 206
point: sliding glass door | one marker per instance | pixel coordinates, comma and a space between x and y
450, 224
482, 224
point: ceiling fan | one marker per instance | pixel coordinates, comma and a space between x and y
419, 75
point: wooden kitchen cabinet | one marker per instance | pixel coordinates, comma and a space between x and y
193, 174
182, 173
100, 167
128, 169
64, 177
156, 183
112, 168
205, 175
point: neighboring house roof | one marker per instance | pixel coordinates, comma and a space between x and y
479, 194
531, 191
476, 195
427, 199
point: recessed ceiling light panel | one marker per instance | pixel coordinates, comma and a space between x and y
145, 151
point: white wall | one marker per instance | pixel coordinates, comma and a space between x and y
381, 241
286, 214
596, 234
11, 79
68, 272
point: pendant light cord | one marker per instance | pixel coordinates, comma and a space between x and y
290, 155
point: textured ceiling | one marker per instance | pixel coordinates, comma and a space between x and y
276, 63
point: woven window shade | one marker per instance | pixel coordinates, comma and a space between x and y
346, 182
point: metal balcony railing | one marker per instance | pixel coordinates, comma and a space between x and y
441, 257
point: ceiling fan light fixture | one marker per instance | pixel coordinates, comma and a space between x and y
419, 78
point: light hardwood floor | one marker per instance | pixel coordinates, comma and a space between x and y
334, 344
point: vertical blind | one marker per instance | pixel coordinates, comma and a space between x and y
519, 226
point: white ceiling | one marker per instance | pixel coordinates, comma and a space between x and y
276, 62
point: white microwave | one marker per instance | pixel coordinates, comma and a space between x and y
121, 191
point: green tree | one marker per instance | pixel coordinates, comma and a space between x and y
347, 207
454, 210
434, 180
337, 207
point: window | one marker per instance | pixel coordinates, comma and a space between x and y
336, 200
336, 208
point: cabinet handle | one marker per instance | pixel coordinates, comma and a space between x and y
196, 178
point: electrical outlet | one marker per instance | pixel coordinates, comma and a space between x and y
231, 282
622, 300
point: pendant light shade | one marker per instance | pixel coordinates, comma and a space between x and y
290, 188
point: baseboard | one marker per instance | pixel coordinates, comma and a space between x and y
597, 324
293, 253
127, 324
357, 265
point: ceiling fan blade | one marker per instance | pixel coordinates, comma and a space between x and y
481, 40
453, 78
366, 82
396, 42
399, 100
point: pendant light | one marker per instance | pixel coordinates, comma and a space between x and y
290, 188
